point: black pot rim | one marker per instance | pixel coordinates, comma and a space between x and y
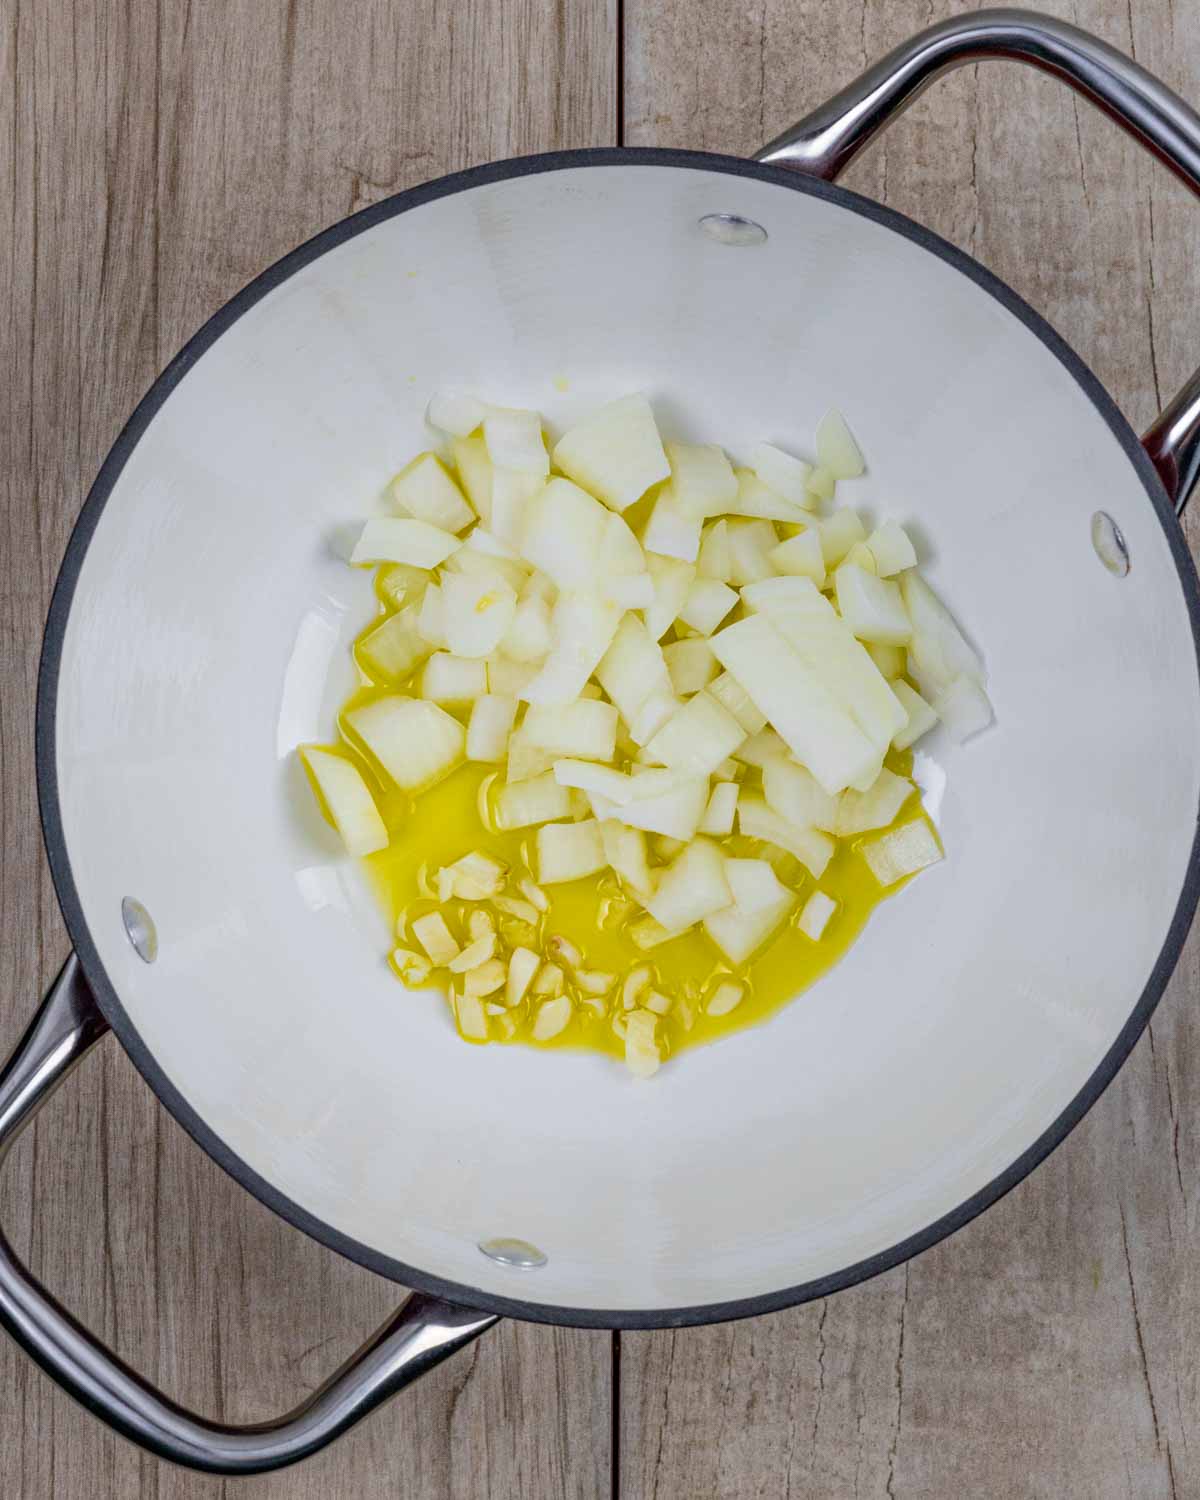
105, 993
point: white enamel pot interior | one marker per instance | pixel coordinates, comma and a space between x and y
201, 631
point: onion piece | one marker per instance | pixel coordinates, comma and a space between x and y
489, 727
456, 414
389, 539
708, 602
691, 888
696, 738
584, 730
786, 475
702, 480
476, 613
902, 851
721, 810
860, 812
416, 743
346, 799
615, 453
921, 717
625, 851
425, 490
671, 531
814, 918
714, 561
514, 440
395, 648
569, 851
750, 543
839, 532
583, 626
795, 794
801, 556
836, 449
756, 498
759, 821
474, 472
672, 579
691, 665
539, 799
730, 694
563, 531
964, 708
453, 679
872, 607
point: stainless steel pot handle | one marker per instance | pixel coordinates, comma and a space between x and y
826, 141
423, 1331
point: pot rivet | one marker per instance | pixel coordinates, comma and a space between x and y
139, 929
508, 1252
732, 229
1109, 544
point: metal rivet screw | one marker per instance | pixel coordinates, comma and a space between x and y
1109, 544
732, 229
519, 1253
139, 929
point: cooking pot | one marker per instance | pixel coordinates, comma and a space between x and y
199, 632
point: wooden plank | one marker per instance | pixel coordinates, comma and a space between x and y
1045, 1350
157, 156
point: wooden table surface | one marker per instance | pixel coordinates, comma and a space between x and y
156, 154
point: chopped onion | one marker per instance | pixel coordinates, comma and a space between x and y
889, 660
755, 498
691, 888
708, 602
902, 851
759, 821
474, 472
672, 579
614, 786
564, 528
456, 414
795, 794
453, 679
801, 555
818, 731
514, 440
838, 533
395, 648
569, 851
427, 493
938, 651
512, 492
702, 481
429, 622
696, 738
416, 743
584, 730
739, 933
476, 613
347, 800
582, 626
964, 708
749, 551
921, 717
671, 531
730, 694
528, 637
616, 453
672, 805
632, 668
836, 449
539, 799
859, 812
652, 715
625, 851
691, 665
872, 607
388, 539
786, 475
814, 918
722, 806
714, 560
892, 549
490, 724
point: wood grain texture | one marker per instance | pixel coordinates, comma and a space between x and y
155, 156
1047, 1350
